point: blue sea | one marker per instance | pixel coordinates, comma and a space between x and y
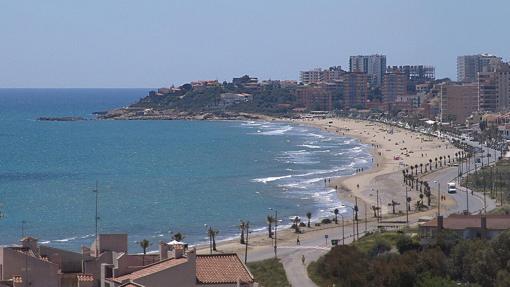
155, 178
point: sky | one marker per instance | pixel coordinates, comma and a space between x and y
155, 43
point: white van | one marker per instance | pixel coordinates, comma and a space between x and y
452, 188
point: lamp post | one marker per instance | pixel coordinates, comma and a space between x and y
438, 197
407, 206
275, 231
343, 228
353, 218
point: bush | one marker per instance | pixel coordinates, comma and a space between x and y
406, 243
381, 246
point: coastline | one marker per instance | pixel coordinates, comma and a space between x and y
385, 142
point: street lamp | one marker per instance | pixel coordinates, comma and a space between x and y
353, 218
275, 230
438, 197
343, 227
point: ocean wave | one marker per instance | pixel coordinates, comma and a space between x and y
316, 135
270, 179
310, 146
276, 131
65, 239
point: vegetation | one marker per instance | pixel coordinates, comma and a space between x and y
271, 99
269, 273
495, 180
446, 261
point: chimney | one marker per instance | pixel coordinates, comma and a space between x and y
163, 250
440, 222
178, 251
106, 272
483, 226
30, 243
85, 251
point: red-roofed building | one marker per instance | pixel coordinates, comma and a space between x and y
467, 226
224, 269
186, 269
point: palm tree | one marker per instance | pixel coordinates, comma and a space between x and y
375, 209
441, 161
144, 244
178, 236
393, 204
421, 167
213, 235
448, 158
412, 168
242, 226
309, 216
404, 174
416, 168
296, 221
430, 164
270, 220
436, 162
336, 215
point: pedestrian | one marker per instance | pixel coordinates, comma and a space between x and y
303, 259
298, 242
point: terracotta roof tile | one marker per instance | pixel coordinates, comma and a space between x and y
131, 284
85, 277
221, 269
150, 269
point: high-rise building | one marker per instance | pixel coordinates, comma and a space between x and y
469, 66
319, 97
416, 74
373, 65
319, 75
494, 89
355, 89
394, 86
458, 101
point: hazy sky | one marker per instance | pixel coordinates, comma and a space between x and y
128, 43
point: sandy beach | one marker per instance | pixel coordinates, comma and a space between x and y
393, 150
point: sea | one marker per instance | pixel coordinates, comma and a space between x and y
156, 178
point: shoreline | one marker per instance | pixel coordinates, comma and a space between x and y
385, 174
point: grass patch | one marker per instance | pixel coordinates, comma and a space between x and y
269, 273
505, 209
367, 243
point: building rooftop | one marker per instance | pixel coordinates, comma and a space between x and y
151, 269
222, 269
460, 222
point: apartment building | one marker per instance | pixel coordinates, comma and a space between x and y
373, 65
319, 97
468, 66
355, 89
458, 101
319, 75
394, 86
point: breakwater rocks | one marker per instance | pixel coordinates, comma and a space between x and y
61, 119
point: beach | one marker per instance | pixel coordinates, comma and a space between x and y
394, 149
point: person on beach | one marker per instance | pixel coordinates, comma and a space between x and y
303, 259
298, 242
